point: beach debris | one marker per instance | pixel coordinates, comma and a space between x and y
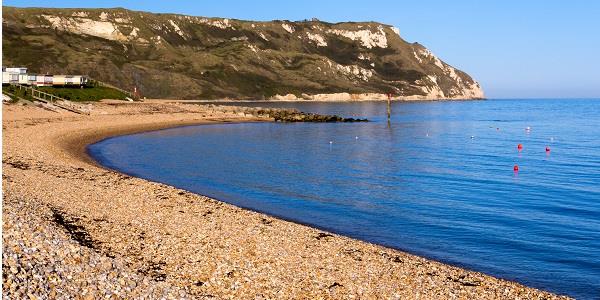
397, 259
155, 270
334, 285
78, 233
322, 235
19, 165
392, 257
356, 254
463, 280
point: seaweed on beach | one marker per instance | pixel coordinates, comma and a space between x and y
464, 281
155, 270
77, 232
19, 165
322, 235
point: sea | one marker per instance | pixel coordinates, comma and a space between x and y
438, 180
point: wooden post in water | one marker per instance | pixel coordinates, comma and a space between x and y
389, 107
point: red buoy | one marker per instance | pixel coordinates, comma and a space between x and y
520, 146
516, 168
547, 149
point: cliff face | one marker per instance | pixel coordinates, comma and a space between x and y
176, 56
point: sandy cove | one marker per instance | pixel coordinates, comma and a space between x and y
129, 237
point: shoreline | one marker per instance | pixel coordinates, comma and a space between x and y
77, 146
231, 251
224, 101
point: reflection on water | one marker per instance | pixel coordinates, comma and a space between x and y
438, 182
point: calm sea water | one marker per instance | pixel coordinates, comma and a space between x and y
437, 182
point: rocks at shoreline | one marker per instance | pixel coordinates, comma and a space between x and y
294, 115
283, 114
287, 116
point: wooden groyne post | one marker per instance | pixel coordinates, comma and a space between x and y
389, 108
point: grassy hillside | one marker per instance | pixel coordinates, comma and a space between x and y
84, 94
92, 93
176, 56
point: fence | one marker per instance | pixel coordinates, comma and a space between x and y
55, 100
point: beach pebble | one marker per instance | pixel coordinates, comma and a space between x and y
38, 259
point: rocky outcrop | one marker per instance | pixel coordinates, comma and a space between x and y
294, 115
187, 57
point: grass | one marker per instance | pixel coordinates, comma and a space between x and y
84, 94
93, 93
17, 93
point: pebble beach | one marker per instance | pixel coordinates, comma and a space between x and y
75, 230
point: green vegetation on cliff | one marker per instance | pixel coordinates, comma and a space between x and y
94, 93
177, 56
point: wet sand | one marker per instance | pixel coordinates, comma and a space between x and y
160, 241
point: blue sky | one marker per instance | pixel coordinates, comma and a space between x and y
531, 48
